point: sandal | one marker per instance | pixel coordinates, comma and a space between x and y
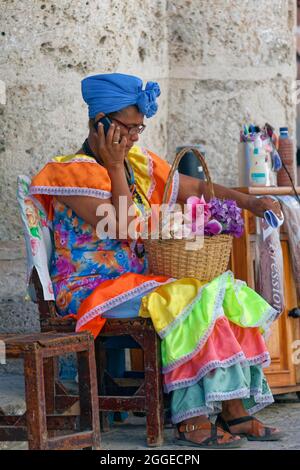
255, 427
210, 442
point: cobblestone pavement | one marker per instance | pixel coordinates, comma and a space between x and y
286, 416
131, 434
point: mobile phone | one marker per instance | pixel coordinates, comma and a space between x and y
106, 124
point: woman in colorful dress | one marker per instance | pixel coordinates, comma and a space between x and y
213, 349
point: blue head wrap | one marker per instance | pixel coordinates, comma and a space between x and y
111, 92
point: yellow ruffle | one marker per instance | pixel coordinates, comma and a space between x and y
169, 300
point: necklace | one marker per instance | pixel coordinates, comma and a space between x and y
87, 150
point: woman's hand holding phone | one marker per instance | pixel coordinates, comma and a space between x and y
111, 147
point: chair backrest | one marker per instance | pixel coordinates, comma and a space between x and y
38, 240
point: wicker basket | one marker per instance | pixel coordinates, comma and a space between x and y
172, 258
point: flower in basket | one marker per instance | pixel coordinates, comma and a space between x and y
199, 216
220, 216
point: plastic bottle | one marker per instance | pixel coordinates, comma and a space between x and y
258, 174
286, 152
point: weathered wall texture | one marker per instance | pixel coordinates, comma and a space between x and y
47, 47
230, 62
219, 63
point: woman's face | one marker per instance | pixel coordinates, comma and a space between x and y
126, 119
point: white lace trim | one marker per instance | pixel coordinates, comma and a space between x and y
151, 173
85, 159
217, 312
202, 411
241, 393
119, 299
175, 189
260, 406
262, 359
269, 317
70, 191
221, 396
175, 182
209, 366
238, 284
259, 396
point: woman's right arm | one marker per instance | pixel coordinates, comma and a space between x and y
113, 157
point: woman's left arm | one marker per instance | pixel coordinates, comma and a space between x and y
189, 186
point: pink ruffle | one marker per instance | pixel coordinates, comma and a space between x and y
227, 345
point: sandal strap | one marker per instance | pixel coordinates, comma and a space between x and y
212, 439
256, 424
220, 422
242, 419
193, 427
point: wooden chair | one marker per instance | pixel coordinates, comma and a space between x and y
40, 425
147, 397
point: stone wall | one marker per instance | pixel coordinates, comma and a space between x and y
219, 63
231, 62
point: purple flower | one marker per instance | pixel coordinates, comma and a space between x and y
84, 238
64, 267
63, 237
228, 215
213, 227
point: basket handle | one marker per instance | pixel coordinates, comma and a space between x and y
174, 167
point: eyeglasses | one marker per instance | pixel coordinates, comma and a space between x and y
130, 129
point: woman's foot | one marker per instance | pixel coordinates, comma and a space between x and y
249, 427
235, 419
199, 431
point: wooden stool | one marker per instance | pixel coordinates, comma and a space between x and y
148, 396
36, 349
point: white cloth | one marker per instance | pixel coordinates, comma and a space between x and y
37, 238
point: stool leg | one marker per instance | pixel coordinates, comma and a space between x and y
35, 400
50, 375
100, 354
88, 393
153, 389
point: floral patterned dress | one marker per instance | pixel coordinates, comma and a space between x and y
81, 261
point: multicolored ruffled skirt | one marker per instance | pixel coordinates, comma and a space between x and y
212, 346
212, 336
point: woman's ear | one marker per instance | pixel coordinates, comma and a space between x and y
95, 119
98, 116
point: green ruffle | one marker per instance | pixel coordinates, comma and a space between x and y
235, 382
